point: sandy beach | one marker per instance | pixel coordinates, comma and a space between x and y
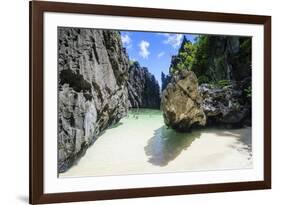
140, 143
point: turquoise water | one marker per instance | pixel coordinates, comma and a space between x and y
165, 144
141, 143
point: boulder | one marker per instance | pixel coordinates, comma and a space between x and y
181, 102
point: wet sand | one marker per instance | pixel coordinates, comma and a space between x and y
140, 143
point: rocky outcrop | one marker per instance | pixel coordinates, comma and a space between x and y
165, 80
226, 105
181, 102
143, 88
92, 90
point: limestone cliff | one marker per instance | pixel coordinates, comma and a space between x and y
143, 89
92, 88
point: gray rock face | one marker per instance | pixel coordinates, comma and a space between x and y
143, 89
92, 92
181, 102
225, 105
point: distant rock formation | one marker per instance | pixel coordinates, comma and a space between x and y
92, 92
143, 88
181, 102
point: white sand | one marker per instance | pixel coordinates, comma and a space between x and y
144, 145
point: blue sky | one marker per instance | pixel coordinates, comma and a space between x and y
153, 50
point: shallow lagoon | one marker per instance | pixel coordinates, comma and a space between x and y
140, 143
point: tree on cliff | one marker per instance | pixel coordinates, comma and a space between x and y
184, 58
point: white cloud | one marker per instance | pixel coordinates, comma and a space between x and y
160, 54
144, 52
126, 40
173, 39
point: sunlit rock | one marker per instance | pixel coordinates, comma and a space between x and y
181, 102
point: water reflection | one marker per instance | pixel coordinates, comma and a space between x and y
167, 144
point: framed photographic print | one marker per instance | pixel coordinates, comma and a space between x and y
139, 102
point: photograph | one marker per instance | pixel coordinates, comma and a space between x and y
142, 102
132, 101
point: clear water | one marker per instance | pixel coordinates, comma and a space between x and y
140, 143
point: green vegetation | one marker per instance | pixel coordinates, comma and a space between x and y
218, 61
185, 57
132, 62
203, 79
215, 59
223, 83
248, 91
